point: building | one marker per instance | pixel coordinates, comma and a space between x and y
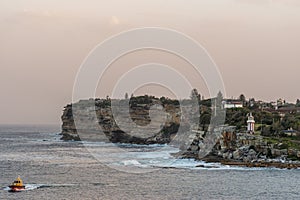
232, 103
250, 123
280, 102
289, 109
274, 104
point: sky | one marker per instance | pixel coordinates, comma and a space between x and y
254, 43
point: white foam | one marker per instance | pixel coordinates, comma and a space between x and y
153, 156
27, 187
37, 186
33, 186
131, 162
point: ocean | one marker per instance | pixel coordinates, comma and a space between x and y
55, 169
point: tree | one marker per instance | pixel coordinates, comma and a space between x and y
220, 96
298, 103
252, 103
219, 99
205, 120
195, 95
243, 99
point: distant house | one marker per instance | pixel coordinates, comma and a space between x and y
280, 102
232, 103
289, 109
274, 104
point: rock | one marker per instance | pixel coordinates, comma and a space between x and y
263, 158
96, 122
195, 148
292, 152
279, 153
220, 154
263, 163
237, 154
207, 167
227, 155
252, 155
254, 150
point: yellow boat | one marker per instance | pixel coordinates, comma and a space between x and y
17, 185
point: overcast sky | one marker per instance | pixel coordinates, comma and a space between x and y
255, 44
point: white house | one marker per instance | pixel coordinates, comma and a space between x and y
232, 103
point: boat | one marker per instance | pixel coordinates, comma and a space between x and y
17, 185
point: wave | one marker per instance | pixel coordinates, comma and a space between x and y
150, 156
131, 162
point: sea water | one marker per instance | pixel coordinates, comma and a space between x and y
54, 169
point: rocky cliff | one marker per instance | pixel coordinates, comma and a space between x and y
95, 120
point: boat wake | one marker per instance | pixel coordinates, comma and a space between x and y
38, 186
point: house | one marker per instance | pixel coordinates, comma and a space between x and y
232, 103
289, 109
274, 104
280, 102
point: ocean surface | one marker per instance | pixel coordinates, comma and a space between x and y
54, 169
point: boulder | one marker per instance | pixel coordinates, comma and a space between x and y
298, 154
237, 154
252, 155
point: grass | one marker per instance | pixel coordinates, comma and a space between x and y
290, 142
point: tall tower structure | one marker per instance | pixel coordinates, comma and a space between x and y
250, 123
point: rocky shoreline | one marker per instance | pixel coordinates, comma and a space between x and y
245, 150
232, 148
267, 163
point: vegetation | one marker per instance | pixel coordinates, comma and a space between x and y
269, 122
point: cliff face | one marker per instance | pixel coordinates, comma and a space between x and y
80, 122
96, 121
